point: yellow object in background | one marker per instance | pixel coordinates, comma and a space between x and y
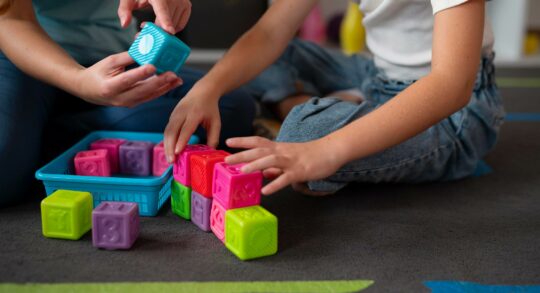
352, 32
532, 44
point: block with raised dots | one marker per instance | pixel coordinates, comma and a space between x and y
136, 158
115, 225
251, 232
234, 189
159, 48
112, 145
200, 211
159, 160
181, 168
217, 220
92, 163
181, 200
202, 170
66, 214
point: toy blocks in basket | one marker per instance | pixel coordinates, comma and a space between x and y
119, 156
155, 46
223, 200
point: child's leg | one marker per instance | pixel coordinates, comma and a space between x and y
25, 106
448, 150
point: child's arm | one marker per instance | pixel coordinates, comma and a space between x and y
25, 43
457, 40
249, 56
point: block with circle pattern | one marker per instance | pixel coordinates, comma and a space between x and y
234, 189
157, 47
115, 225
136, 158
159, 160
202, 170
217, 220
92, 163
112, 145
251, 232
181, 167
66, 214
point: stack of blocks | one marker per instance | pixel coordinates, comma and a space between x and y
67, 214
220, 198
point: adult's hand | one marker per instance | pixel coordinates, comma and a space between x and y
108, 83
171, 15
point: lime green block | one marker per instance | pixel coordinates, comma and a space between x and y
251, 232
66, 214
181, 200
338, 286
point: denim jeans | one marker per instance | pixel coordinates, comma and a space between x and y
37, 121
448, 150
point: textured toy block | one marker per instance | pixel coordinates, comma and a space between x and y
159, 160
115, 225
234, 189
200, 210
181, 200
92, 163
136, 158
112, 145
181, 168
251, 232
202, 170
157, 47
217, 220
66, 214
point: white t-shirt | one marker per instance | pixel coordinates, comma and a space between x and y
399, 34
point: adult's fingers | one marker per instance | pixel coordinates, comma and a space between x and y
247, 156
118, 60
163, 15
184, 18
247, 142
146, 90
128, 79
124, 11
276, 184
157, 93
188, 129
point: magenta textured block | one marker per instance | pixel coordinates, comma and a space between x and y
115, 225
200, 210
234, 189
181, 168
92, 163
136, 158
217, 220
112, 145
159, 160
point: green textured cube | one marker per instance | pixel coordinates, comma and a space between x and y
66, 214
181, 200
251, 232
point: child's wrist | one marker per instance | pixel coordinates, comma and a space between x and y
336, 148
207, 89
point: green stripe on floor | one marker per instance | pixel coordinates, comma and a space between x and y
515, 82
178, 287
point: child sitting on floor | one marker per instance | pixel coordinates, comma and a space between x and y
425, 107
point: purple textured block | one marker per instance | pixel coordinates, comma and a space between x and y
136, 158
115, 225
200, 210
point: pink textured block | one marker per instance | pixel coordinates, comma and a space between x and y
181, 168
92, 163
234, 189
112, 145
160, 164
217, 220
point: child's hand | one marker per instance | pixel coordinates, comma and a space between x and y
288, 162
196, 108
107, 83
171, 15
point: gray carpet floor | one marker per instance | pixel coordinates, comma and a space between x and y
484, 229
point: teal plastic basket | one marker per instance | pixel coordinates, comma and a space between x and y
149, 192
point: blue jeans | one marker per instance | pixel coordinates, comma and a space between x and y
448, 150
37, 121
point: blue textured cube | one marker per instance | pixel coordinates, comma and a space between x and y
157, 47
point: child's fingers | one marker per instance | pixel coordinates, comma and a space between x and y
171, 134
212, 139
247, 156
277, 184
188, 129
272, 173
265, 162
247, 142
